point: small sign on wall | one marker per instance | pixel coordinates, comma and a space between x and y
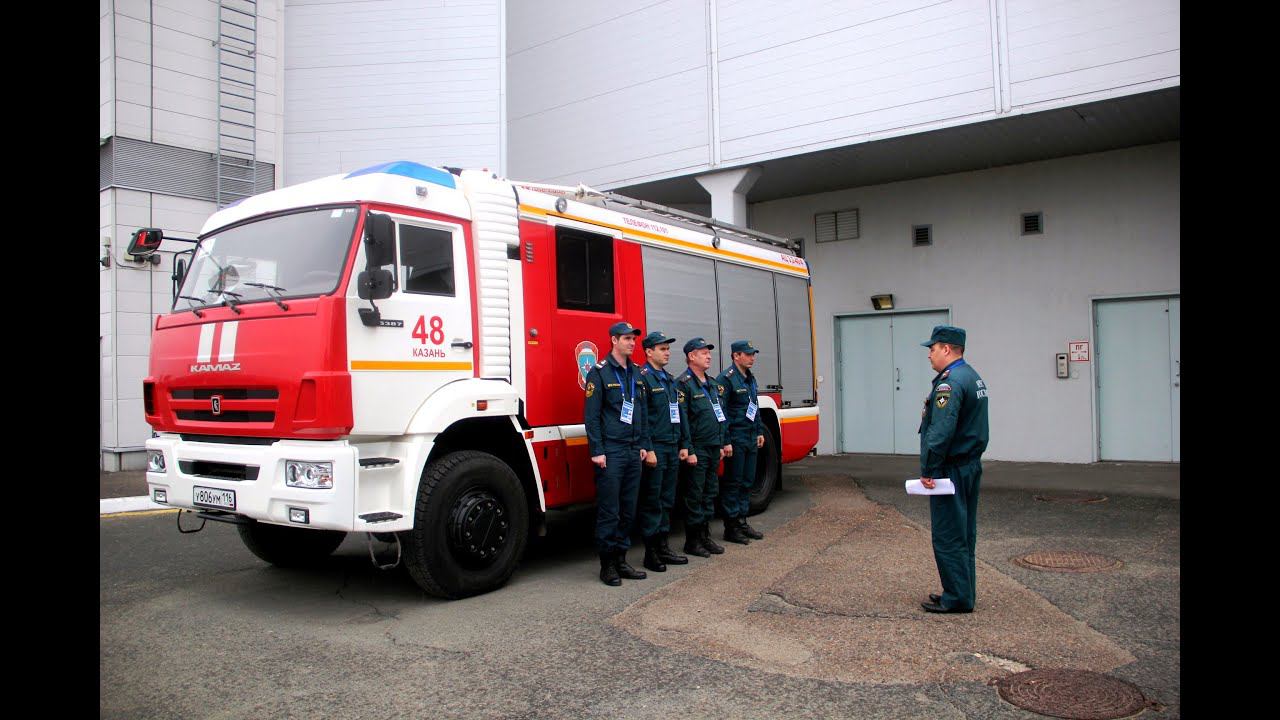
1079, 350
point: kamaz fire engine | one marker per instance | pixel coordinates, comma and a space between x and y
401, 351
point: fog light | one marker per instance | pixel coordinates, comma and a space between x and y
161, 496
299, 515
308, 474
155, 461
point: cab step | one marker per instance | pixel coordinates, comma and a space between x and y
380, 517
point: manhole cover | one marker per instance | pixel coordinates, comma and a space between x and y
1072, 562
1072, 497
1074, 694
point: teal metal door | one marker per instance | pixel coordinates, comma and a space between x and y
864, 367
912, 376
1138, 359
884, 379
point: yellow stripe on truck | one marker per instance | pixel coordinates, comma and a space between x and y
405, 365
669, 240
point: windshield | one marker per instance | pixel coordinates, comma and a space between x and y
292, 255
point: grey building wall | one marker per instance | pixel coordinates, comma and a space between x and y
372, 82
622, 93
1112, 228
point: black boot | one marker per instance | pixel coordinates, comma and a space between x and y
705, 538
651, 559
624, 568
609, 570
733, 533
665, 553
749, 531
693, 540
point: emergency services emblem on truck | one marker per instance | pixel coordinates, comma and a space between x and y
586, 354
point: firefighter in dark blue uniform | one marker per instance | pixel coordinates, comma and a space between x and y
614, 415
669, 442
746, 432
953, 436
702, 397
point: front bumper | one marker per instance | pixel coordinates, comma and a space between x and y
266, 498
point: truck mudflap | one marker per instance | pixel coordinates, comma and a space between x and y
249, 480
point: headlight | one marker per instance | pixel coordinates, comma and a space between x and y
155, 461
308, 474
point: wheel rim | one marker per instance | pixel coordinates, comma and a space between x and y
479, 527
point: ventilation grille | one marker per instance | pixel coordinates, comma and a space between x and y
838, 225
1032, 223
152, 167
921, 235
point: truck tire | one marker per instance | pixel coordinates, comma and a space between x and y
768, 471
289, 546
470, 526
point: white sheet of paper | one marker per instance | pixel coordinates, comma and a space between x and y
942, 486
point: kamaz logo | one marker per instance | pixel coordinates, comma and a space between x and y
215, 367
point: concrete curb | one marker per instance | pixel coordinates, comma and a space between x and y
129, 504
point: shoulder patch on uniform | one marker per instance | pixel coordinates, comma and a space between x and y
942, 401
720, 388
944, 387
591, 389
680, 395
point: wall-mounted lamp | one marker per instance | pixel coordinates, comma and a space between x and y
882, 302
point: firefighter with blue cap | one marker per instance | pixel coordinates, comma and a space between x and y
614, 413
668, 427
701, 397
953, 436
746, 433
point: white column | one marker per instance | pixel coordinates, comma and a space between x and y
728, 190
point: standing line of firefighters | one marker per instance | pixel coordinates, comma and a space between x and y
645, 427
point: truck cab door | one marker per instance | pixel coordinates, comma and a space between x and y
425, 337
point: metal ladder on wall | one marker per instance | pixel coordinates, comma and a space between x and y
237, 102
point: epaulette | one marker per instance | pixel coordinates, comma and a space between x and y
729, 371
644, 369
600, 365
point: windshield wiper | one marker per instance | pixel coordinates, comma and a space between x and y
272, 290
228, 302
194, 309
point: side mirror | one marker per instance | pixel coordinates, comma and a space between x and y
379, 240
374, 284
145, 241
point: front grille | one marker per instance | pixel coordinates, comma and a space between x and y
227, 416
228, 439
222, 471
235, 404
227, 393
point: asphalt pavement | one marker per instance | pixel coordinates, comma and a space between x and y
819, 619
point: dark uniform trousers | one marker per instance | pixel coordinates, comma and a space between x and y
955, 534
617, 486
659, 485
703, 485
740, 475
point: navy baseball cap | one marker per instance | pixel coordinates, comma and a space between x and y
697, 344
655, 339
743, 346
946, 334
623, 328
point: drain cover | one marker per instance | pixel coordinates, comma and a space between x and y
1073, 694
1072, 497
1071, 562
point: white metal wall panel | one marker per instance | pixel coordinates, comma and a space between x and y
600, 97
796, 74
394, 80
1111, 228
1061, 49
680, 300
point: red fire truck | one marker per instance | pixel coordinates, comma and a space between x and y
400, 351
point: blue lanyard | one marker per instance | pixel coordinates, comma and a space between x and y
626, 397
706, 387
